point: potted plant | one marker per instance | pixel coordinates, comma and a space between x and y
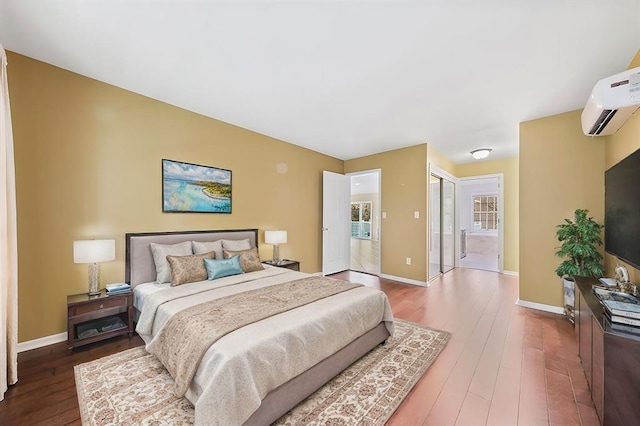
579, 241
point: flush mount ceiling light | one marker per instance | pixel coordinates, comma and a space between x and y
481, 153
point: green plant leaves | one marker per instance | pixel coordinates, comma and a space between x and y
580, 239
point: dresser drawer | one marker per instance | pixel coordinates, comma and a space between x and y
97, 305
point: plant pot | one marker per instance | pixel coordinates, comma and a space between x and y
569, 296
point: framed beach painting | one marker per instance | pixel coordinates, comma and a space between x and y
192, 188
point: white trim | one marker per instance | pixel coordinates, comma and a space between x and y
405, 280
514, 273
42, 341
540, 307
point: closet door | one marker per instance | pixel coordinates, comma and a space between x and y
442, 229
435, 263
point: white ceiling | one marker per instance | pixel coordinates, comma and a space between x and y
345, 78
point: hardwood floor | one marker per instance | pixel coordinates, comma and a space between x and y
504, 365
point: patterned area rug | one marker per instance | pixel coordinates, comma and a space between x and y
133, 388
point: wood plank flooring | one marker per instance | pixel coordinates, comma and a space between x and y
504, 365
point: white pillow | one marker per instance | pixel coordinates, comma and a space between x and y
236, 245
202, 247
160, 253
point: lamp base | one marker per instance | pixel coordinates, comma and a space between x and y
276, 254
94, 279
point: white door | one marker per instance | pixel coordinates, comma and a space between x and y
336, 233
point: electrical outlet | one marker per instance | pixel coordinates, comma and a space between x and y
408, 261
416, 215
384, 215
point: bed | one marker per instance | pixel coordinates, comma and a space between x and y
256, 373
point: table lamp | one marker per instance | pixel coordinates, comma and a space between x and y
276, 238
92, 252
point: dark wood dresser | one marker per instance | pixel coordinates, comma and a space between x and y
610, 358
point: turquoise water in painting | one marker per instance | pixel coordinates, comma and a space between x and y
184, 196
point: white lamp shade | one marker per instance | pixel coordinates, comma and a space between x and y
92, 251
275, 237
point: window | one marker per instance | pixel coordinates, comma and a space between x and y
361, 219
485, 212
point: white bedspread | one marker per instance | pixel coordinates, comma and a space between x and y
241, 368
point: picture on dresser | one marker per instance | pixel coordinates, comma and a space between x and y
193, 188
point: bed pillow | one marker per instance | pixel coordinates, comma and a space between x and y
236, 244
160, 253
249, 259
218, 268
200, 247
188, 269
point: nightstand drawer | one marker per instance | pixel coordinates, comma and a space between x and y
98, 317
99, 304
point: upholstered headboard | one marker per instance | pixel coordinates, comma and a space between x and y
139, 264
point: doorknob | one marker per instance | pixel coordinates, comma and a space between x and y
325, 229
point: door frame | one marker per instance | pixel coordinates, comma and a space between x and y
500, 177
378, 211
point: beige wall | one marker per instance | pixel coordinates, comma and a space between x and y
88, 164
619, 145
561, 170
509, 168
403, 191
440, 160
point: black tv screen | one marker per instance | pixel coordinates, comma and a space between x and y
622, 210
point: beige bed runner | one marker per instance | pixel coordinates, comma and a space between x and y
186, 336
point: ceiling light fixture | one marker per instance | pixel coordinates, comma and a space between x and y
481, 153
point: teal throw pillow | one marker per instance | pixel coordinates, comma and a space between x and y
218, 268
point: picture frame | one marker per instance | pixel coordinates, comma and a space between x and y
194, 188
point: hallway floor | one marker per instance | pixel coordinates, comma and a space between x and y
365, 255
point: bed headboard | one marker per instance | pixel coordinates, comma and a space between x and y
139, 264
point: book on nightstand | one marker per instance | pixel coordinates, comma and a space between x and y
118, 288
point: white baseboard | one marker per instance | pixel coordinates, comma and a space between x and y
514, 273
540, 307
42, 341
405, 280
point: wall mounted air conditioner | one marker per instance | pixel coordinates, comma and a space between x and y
613, 100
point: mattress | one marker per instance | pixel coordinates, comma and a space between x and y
240, 369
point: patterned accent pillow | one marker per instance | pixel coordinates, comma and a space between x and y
249, 259
200, 247
188, 269
160, 253
236, 244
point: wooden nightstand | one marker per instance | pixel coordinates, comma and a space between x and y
294, 265
94, 318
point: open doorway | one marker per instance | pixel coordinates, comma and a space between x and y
480, 223
365, 222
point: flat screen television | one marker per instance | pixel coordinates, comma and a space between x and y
622, 210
